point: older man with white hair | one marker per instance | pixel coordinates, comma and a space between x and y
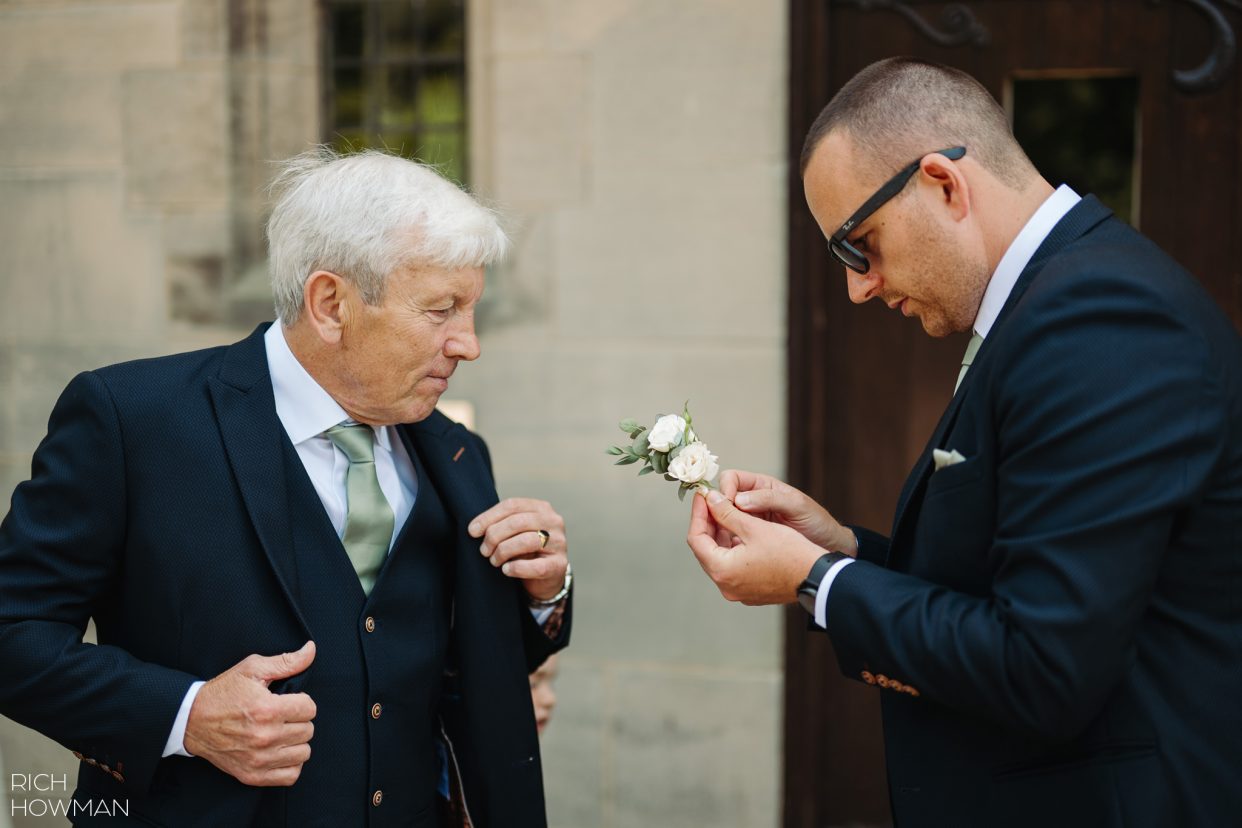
311, 607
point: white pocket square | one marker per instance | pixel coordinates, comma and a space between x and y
944, 458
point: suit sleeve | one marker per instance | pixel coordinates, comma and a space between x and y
872, 546
61, 552
1109, 419
552, 636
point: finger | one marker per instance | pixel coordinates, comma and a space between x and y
729, 516
295, 733
270, 668
763, 500
527, 543
293, 756
281, 777
504, 509
295, 707
534, 569
701, 537
729, 483
509, 527
733, 481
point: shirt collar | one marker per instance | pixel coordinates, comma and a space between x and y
1019, 254
305, 409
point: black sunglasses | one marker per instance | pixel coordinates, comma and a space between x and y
845, 252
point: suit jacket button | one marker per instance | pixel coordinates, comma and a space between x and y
377, 798
867, 677
369, 624
883, 680
912, 692
88, 760
77, 754
105, 768
117, 776
376, 710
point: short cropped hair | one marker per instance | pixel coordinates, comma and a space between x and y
899, 109
365, 215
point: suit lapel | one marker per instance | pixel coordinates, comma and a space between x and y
450, 458
1073, 225
922, 468
460, 472
253, 437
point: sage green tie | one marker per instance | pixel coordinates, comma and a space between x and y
368, 517
969, 357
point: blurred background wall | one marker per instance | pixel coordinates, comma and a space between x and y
637, 149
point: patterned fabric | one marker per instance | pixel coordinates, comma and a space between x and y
552, 626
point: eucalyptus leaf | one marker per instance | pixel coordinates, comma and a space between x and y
681, 494
647, 470
640, 446
625, 461
659, 461
616, 450
628, 425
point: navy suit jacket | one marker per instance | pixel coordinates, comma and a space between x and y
157, 506
1056, 622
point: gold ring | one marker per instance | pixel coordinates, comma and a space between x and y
543, 538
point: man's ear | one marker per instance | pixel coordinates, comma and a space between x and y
952, 189
325, 304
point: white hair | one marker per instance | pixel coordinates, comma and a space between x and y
364, 216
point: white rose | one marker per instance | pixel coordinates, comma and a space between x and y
695, 464
666, 433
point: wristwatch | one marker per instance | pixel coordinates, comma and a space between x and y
544, 603
809, 588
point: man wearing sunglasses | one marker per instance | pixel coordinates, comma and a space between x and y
1053, 620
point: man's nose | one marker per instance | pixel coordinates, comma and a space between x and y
862, 286
462, 343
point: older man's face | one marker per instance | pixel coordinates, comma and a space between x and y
399, 355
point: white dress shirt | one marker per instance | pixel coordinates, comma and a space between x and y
306, 411
1016, 258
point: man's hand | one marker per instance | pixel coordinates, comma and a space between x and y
250, 733
511, 541
778, 502
764, 563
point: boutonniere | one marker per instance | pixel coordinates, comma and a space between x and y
670, 448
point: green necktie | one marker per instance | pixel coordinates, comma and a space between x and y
969, 357
368, 517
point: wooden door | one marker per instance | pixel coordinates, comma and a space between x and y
867, 386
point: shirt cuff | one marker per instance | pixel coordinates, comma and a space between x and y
175, 746
542, 614
821, 595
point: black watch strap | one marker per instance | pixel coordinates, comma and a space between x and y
809, 589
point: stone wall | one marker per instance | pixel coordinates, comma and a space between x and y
636, 147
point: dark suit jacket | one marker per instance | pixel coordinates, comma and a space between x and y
1056, 623
157, 505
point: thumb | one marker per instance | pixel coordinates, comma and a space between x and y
285, 665
728, 515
